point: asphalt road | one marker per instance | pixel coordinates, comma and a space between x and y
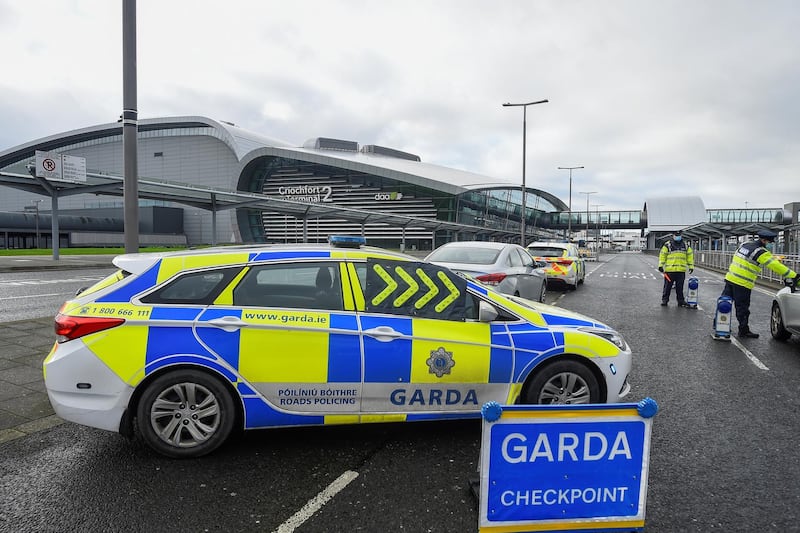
724, 451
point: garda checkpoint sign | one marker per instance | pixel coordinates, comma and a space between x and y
564, 467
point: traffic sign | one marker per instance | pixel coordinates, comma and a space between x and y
564, 467
61, 167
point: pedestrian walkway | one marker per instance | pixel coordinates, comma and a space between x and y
24, 406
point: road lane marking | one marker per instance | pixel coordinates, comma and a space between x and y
316, 503
749, 354
36, 295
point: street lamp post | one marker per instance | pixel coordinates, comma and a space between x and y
524, 139
569, 219
597, 212
587, 210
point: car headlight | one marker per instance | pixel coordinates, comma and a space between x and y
608, 334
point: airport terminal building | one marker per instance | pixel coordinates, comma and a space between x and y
198, 153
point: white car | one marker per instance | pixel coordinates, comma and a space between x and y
785, 317
506, 267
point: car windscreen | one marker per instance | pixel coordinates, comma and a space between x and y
465, 254
546, 252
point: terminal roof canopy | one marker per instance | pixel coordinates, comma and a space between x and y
671, 213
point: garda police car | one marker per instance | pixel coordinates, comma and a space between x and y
185, 347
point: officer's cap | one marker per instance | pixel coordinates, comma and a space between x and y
767, 235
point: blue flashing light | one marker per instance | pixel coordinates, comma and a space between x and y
347, 241
725, 304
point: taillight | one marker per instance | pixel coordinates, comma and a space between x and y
565, 262
73, 327
491, 279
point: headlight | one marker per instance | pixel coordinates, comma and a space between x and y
608, 334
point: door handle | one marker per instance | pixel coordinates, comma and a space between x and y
383, 333
227, 323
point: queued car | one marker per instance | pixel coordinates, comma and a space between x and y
506, 267
785, 316
565, 264
181, 349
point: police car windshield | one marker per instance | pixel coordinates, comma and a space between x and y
465, 254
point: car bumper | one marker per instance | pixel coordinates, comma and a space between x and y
616, 371
84, 390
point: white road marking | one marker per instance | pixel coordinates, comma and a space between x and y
316, 503
749, 354
36, 295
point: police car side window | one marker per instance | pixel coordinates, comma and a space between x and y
200, 288
297, 286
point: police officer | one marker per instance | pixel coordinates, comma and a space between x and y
743, 271
674, 259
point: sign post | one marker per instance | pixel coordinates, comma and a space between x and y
565, 467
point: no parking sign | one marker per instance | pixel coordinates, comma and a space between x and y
565, 467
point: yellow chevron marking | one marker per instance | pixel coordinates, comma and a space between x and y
433, 290
412, 289
391, 285
452, 297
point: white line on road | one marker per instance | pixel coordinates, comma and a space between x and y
749, 354
316, 503
36, 295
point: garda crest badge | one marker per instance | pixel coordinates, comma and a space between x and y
440, 362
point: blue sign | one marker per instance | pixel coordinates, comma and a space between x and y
563, 466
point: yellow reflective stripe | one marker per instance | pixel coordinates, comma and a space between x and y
433, 290
226, 296
172, 265
347, 292
573, 526
588, 345
370, 419
122, 350
513, 393
105, 282
470, 349
412, 289
355, 284
452, 297
340, 419
391, 285
293, 352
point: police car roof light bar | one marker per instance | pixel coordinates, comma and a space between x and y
347, 241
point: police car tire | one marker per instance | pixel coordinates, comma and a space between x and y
211, 390
553, 373
543, 293
776, 327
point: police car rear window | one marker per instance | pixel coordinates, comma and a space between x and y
546, 252
199, 288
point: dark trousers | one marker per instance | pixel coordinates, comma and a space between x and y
675, 278
741, 299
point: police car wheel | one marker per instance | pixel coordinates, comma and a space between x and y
543, 294
563, 382
186, 413
776, 327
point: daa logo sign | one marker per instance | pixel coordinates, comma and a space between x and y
562, 468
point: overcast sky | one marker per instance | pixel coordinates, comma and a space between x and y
653, 98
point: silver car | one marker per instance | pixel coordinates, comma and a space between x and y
785, 316
507, 268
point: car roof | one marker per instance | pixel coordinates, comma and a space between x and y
477, 244
138, 263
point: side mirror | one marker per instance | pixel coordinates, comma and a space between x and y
487, 312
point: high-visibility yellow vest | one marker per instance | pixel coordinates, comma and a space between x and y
676, 257
748, 261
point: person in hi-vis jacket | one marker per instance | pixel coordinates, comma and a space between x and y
675, 258
743, 271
